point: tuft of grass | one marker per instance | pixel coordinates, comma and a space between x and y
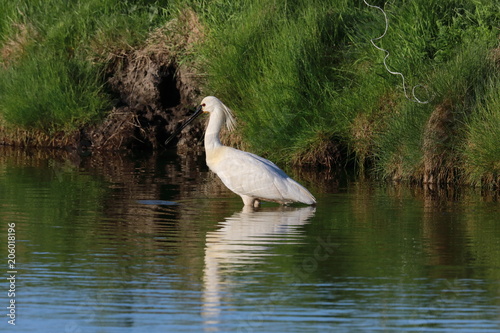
51, 94
482, 149
423, 142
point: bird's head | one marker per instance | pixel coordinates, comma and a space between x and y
209, 104
213, 104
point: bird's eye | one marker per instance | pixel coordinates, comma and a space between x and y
203, 105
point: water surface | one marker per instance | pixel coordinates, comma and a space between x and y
157, 244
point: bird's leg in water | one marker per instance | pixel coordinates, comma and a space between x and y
250, 201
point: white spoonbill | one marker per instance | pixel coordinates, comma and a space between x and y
250, 176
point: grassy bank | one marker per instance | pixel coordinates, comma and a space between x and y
302, 76
312, 84
53, 56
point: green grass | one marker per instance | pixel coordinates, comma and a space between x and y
302, 73
482, 149
274, 63
51, 94
56, 80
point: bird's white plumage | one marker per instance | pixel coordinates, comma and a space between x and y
248, 175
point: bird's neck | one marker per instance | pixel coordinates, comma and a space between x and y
215, 122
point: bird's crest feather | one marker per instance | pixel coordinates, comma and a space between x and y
230, 120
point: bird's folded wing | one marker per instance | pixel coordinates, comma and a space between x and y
248, 174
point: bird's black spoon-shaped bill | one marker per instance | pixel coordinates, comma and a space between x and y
197, 112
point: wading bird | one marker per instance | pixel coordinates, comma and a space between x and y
250, 176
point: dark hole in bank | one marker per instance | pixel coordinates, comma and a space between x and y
169, 93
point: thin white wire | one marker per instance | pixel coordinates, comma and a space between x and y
414, 99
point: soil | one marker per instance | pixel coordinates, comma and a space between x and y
153, 92
153, 96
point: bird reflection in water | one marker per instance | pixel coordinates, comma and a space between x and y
244, 239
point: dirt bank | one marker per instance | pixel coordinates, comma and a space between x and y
151, 93
152, 90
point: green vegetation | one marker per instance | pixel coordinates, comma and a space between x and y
482, 150
311, 75
302, 76
53, 54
